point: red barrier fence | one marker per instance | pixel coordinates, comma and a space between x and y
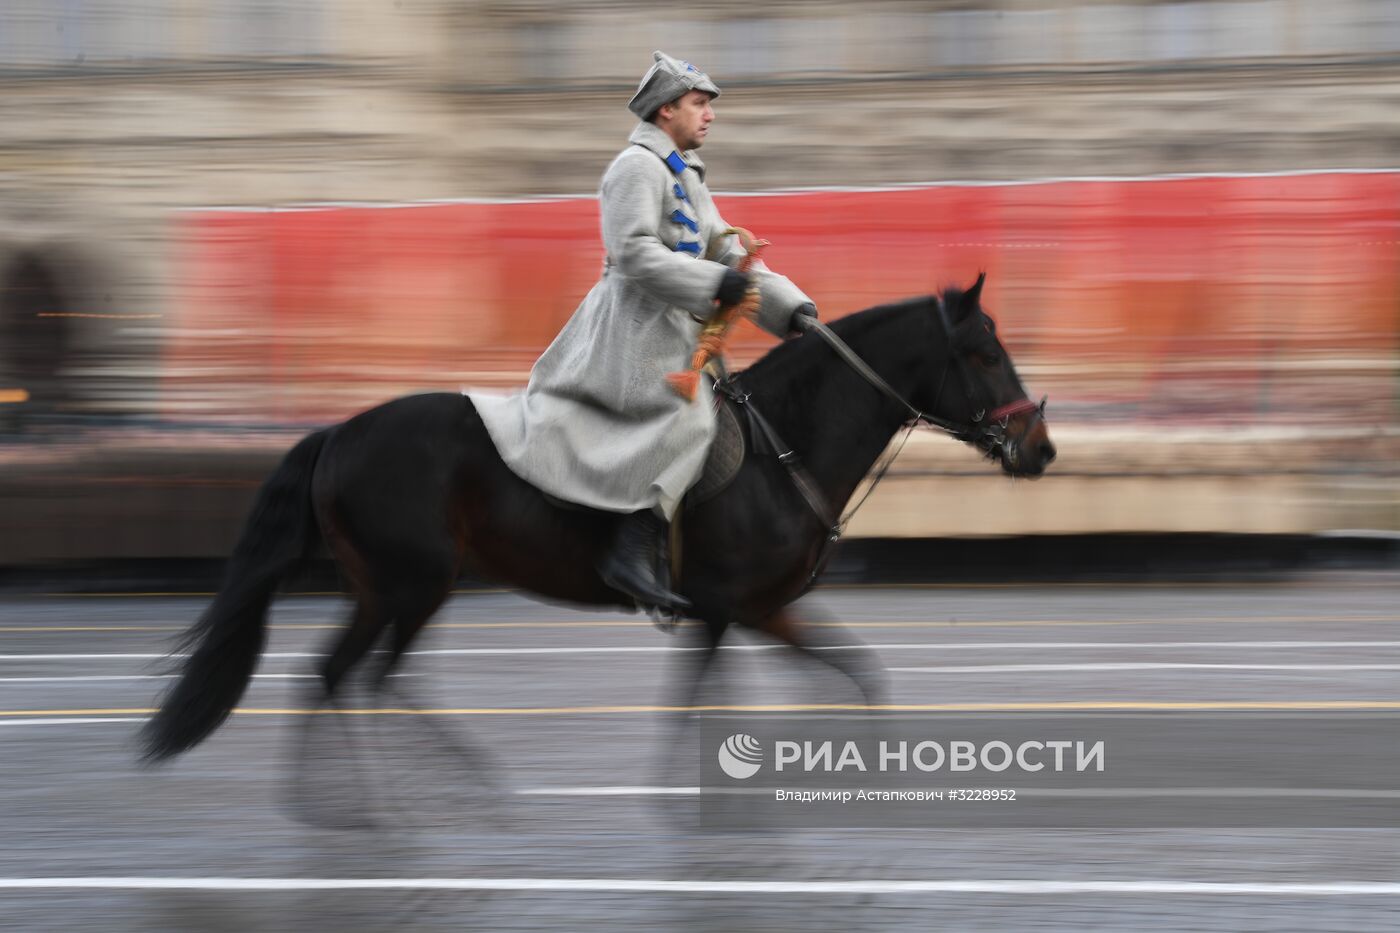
1240, 298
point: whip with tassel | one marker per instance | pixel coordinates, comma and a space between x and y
716, 330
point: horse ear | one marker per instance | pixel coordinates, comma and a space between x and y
973, 296
970, 300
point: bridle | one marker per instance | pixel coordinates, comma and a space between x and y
986, 431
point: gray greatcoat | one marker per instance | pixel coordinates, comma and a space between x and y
598, 425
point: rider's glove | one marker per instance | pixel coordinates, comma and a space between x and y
731, 288
795, 323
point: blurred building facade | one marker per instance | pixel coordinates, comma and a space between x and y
119, 112
121, 119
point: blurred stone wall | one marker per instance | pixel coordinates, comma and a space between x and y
118, 114
168, 103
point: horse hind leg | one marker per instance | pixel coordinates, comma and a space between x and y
366, 625
405, 628
427, 743
400, 572
329, 783
394, 615
410, 610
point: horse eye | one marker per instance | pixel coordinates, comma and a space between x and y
990, 359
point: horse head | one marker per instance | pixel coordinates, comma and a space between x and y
974, 388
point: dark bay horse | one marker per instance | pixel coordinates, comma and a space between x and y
407, 494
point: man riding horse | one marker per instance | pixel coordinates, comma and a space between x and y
598, 425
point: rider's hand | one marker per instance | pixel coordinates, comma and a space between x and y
796, 325
732, 288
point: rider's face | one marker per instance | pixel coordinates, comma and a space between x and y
687, 119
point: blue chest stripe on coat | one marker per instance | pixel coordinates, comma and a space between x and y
677, 165
680, 218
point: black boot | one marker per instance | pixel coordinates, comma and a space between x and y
631, 564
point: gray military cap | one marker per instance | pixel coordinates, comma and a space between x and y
667, 79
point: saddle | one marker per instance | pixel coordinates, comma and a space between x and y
722, 464
725, 456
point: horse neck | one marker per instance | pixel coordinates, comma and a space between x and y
835, 420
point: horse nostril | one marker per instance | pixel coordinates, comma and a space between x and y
1047, 451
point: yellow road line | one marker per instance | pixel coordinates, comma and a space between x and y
1064, 706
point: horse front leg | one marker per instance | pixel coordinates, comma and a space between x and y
695, 667
834, 646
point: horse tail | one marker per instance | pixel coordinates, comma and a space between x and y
227, 640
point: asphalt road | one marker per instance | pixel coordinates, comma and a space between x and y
533, 793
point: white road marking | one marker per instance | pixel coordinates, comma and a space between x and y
1132, 666
103, 678
129, 657
1150, 645
1248, 793
667, 649
617, 790
71, 721
1025, 886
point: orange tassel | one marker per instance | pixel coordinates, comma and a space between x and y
712, 337
685, 383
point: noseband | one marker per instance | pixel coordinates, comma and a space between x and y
994, 440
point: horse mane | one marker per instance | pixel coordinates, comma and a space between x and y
791, 375
791, 355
